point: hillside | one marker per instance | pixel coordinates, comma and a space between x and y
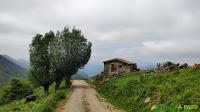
160, 92
9, 69
21, 62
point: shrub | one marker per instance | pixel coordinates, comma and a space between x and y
42, 107
16, 89
42, 104
59, 95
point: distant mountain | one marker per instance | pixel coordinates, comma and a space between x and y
80, 75
10, 69
21, 62
93, 69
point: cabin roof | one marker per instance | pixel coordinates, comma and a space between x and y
118, 59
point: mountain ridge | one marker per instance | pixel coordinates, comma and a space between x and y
10, 69
21, 62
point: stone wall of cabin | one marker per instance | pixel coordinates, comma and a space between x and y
117, 68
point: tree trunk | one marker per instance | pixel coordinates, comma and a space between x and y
67, 81
57, 85
46, 89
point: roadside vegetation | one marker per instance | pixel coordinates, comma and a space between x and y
54, 58
12, 98
17, 88
175, 91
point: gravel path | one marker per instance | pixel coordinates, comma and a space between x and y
84, 99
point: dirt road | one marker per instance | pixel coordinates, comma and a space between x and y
84, 99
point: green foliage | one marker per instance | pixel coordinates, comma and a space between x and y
15, 89
70, 51
42, 104
165, 91
40, 60
55, 57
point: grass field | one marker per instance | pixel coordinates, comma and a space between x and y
177, 91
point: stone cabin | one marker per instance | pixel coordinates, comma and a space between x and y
118, 66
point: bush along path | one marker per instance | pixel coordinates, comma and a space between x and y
84, 99
43, 103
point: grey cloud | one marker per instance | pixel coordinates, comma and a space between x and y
116, 27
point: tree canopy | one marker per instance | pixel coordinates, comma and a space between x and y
40, 60
58, 56
71, 52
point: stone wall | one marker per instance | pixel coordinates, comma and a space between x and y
117, 68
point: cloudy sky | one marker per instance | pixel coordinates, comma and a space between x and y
143, 31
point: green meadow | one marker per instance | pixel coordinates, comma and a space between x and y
145, 91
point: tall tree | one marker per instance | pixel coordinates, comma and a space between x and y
70, 53
40, 60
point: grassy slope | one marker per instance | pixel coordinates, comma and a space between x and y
167, 90
43, 104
